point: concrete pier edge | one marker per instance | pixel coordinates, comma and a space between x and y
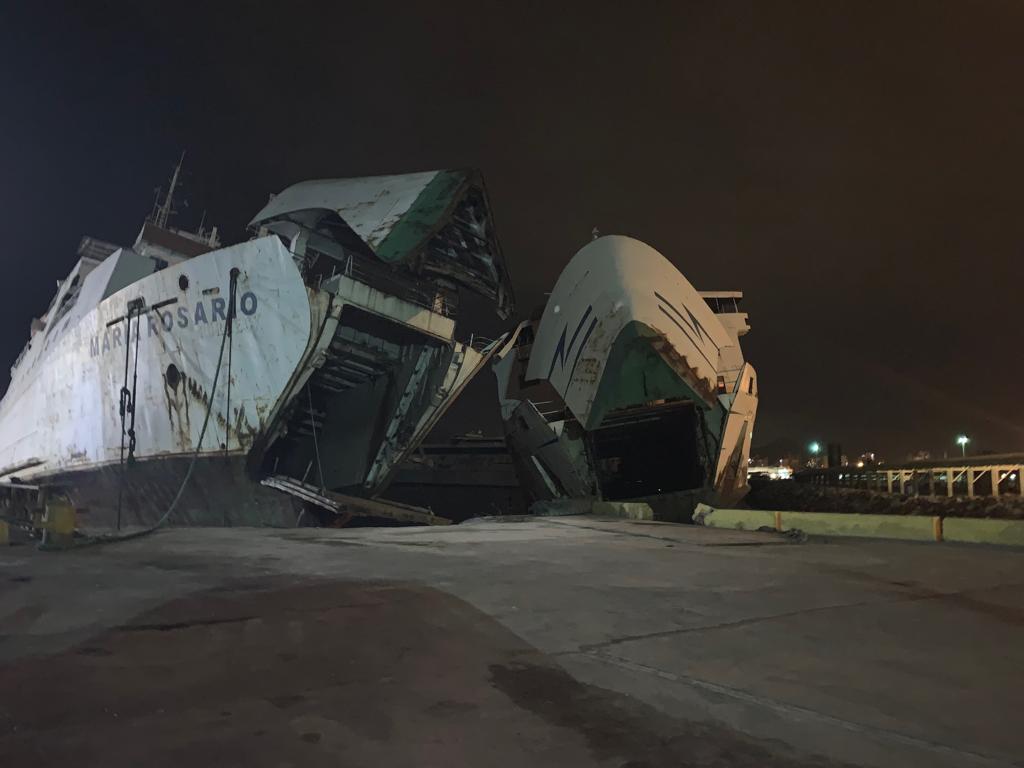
905, 527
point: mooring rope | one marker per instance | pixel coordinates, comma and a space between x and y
110, 538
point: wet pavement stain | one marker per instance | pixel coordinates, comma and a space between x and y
619, 727
351, 673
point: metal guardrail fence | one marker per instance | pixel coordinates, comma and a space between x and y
981, 476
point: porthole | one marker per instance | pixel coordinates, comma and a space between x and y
173, 376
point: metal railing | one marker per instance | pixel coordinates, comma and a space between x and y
404, 286
982, 476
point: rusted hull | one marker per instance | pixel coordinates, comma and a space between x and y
219, 493
63, 408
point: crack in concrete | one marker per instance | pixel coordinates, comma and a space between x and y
636, 535
189, 623
175, 625
723, 625
795, 711
913, 595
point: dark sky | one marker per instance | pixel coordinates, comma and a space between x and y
855, 168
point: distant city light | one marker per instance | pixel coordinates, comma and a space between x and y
962, 441
860, 465
771, 472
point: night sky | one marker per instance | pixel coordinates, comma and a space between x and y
855, 168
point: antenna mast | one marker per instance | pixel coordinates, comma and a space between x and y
163, 212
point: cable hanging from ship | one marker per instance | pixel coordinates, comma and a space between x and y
202, 433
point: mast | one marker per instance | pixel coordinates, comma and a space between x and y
163, 212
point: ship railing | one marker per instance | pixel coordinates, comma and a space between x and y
406, 287
480, 343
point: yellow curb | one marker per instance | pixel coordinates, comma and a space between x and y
906, 527
983, 531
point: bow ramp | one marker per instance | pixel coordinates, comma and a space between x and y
394, 257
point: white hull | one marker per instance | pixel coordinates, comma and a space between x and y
62, 413
630, 385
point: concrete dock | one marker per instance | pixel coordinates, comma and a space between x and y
547, 642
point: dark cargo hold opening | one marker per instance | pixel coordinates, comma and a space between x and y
647, 451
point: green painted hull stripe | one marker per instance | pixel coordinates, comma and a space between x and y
423, 218
635, 373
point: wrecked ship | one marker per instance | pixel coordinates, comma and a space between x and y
631, 385
230, 381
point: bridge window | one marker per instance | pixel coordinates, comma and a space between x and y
723, 305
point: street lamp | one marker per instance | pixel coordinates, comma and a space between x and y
814, 448
962, 441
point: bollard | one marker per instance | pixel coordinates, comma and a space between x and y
58, 525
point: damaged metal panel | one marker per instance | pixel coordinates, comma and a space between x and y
741, 404
435, 224
372, 206
464, 364
552, 460
354, 506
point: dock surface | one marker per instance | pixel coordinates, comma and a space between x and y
543, 642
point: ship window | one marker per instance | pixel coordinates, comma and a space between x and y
183, 282
723, 305
750, 386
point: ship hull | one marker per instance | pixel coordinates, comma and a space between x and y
322, 350
333, 384
630, 387
220, 492
63, 413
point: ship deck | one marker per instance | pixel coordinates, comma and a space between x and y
544, 642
